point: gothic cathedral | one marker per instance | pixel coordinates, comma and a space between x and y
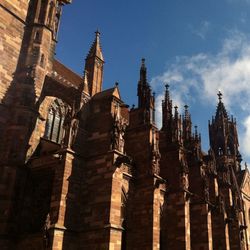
80, 170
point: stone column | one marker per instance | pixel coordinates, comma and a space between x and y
178, 222
201, 227
61, 203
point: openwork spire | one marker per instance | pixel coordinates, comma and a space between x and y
221, 110
223, 135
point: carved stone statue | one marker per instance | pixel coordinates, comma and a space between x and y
74, 128
155, 162
184, 183
221, 204
117, 136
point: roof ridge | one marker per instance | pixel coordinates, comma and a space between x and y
68, 68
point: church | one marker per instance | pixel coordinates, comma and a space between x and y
81, 170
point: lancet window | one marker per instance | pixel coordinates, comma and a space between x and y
55, 124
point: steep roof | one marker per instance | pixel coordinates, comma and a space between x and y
108, 93
61, 71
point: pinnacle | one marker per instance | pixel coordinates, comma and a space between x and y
143, 72
96, 50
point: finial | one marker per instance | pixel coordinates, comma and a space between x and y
97, 33
167, 86
176, 111
219, 96
116, 84
143, 62
133, 106
186, 113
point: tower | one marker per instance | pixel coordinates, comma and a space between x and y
94, 66
224, 145
150, 186
223, 136
174, 168
22, 98
35, 61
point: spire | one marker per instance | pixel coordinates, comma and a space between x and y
221, 110
167, 114
167, 96
176, 113
186, 113
223, 134
96, 50
94, 66
187, 124
143, 72
177, 127
145, 99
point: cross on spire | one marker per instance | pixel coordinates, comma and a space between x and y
219, 96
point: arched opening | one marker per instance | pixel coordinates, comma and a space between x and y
37, 36
50, 15
54, 128
230, 146
43, 9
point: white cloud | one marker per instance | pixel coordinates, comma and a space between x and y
202, 30
197, 79
246, 138
238, 1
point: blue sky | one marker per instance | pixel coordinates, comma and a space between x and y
197, 46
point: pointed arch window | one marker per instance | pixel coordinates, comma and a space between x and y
54, 128
230, 146
51, 12
43, 8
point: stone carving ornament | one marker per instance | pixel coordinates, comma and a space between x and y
184, 183
155, 161
118, 132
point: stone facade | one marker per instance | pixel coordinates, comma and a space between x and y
79, 169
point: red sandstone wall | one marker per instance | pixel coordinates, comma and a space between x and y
12, 18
